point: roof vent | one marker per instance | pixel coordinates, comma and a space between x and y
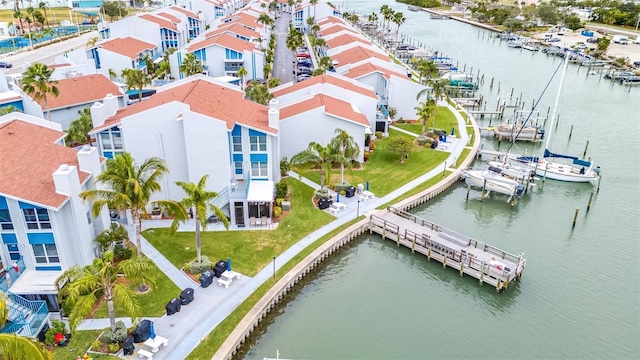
64, 167
86, 148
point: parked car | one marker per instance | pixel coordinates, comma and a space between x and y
304, 77
303, 55
592, 40
306, 63
636, 63
304, 72
299, 58
5, 65
553, 40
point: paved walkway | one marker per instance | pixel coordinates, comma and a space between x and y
212, 305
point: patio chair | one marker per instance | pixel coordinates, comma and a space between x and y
263, 221
252, 221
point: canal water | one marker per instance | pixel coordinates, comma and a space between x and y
580, 293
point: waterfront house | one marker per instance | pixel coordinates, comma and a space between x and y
214, 9
159, 28
44, 226
117, 54
200, 126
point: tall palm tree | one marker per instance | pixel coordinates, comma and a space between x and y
82, 286
398, 19
265, 20
78, 131
258, 93
191, 65
130, 188
43, 5
317, 156
425, 110
427, 69
314, 3
18, 15
199, 199
163, 71
115, 233
242, 72
373, 17
14, 347
151, 66
347, 147
37, 83
294, 40
136, 80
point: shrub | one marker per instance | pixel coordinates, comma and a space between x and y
200, 267
372, 145
113, 348
96, 345
281, 190
378, 134
57, 327
122, 253
322, 194
422, 140
279, 201
366, 156
285, 166
115, 337
277, 211
342, 187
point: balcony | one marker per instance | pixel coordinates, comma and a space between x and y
26, 317
12, 274
141, 65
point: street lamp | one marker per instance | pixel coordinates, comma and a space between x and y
358, 211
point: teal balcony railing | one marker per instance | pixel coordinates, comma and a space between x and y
11, 275
26, 317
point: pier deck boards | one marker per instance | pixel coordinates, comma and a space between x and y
482, 261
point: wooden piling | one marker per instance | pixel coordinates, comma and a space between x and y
589, 204
571, 132
585, 149
468, 190
599, 179
575, 218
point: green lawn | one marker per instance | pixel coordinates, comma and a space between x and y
78, 344
249, 251
445, 120
153, 302
383, 171
212, 342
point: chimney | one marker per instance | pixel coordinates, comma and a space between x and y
66, 181
274, 114
4, 85
89, 160
100, 112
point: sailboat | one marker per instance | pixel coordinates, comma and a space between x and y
577, 170
492, 180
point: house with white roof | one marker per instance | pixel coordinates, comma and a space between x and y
200, 126
45, 227
117, 54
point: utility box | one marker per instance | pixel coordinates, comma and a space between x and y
286, 205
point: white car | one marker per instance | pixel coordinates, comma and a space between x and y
637, 40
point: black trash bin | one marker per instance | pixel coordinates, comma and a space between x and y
206, 279
434, 144
186, 296
173, 306
350, 192
142, 332
219, 268
323, 203
127, 346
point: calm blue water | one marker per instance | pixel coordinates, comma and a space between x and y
580, 293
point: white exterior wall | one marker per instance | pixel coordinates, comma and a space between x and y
402, 96
157, 132
207, 9
207, 150
140, 28
30, 106
252, 62
315, 125
115, 61
64, 116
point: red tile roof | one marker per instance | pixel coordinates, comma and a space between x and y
336, 28
81, 90
244, 19
225, 40
130, 47
204, 97
327, 79
57, 66
170, 17
233, 28
356, 54
189, 13
160, 21
330, 20
30, 156
368, 68
332, 106
346, 39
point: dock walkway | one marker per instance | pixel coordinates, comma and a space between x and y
484, 262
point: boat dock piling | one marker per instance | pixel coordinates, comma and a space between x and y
484, 262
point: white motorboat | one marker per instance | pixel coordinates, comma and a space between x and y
519, 131
530, 45
490, 180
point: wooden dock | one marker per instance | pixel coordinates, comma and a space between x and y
468, 256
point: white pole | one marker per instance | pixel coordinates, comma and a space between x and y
555, 106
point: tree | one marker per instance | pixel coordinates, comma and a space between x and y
401, 145
43, 5
78, 132
573, 22
426, 69
136, 80
317, 156
265, 20
115, 233
347, 147
14, 347
242, 72
38, 84
294, 40
190, 65
314, 3
425, 110
151, 66
273, 82
130, 188
548, 13
258, 93
163, 70
398, 19
8, 110
82, 286
603, 44
113, 9
200, 200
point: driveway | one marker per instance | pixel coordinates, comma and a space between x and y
283, 58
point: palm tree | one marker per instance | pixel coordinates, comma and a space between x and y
317, 156
115, 233
37, 83
290, 3
43, 5
425, 110
18, 15
373, 17
259, 93
294, 40
136, 80
78, 132
427, 69
398, 19
242, 72
81, 286
191, 65
265, 20
314, 3
199, 199
151, 66
112, 74
14, 347
325, 63
273, 82
8, 110
130, 188
347, 147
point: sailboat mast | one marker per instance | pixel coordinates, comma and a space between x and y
555, 106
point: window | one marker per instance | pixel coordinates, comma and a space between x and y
238, 165
106, 140
258, 143
259, 169
37, 218
117, 140
5, 220
45, 253
237, 143
89, 217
